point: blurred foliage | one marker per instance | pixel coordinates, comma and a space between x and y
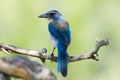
89, 20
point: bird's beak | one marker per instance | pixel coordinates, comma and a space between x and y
43, 16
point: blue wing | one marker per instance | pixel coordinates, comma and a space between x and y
61, 31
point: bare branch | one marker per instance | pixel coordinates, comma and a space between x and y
22, 67
93, 54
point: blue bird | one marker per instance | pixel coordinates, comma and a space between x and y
60, 36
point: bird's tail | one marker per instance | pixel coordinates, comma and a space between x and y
62, 59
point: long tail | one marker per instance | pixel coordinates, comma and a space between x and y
62, 59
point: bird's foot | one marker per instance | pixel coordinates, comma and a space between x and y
52, 56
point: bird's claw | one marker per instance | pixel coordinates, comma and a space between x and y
52, 56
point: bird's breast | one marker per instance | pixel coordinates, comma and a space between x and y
54, 41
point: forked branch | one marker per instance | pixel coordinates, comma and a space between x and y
93, 54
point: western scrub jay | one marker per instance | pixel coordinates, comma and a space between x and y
60, 36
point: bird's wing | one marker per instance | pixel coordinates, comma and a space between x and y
61, 31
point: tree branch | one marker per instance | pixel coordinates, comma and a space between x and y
93, 54
22, 67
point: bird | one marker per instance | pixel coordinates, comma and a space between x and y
60, 35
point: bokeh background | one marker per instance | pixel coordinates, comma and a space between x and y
89, 20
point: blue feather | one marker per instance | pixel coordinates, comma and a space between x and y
62, 59
61, 37
60, 33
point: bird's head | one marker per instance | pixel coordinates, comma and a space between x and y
52, 15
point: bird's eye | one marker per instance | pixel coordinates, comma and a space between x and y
52, 14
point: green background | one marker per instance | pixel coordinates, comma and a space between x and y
89, 20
